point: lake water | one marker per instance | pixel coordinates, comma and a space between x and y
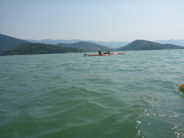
134, 95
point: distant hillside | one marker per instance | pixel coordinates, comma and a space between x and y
7, 42
38, 48
111, 44
85, 46
148, 45
178, 42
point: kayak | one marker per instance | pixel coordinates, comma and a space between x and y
103, 54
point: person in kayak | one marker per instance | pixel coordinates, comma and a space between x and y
99, 52
108, 52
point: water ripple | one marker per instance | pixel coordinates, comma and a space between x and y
134, 95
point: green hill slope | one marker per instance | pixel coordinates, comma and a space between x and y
7, 42
38, 48
148, 45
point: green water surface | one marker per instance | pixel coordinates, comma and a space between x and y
134, 95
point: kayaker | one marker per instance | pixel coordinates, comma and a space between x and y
99, 52
108, 52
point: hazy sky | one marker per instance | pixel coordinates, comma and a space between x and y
105, 20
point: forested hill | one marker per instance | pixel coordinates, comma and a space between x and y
148, 45
7, 42
38, 48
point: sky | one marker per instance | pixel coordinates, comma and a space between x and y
99, 20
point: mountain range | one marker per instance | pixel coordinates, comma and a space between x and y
14, 46
110, 44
